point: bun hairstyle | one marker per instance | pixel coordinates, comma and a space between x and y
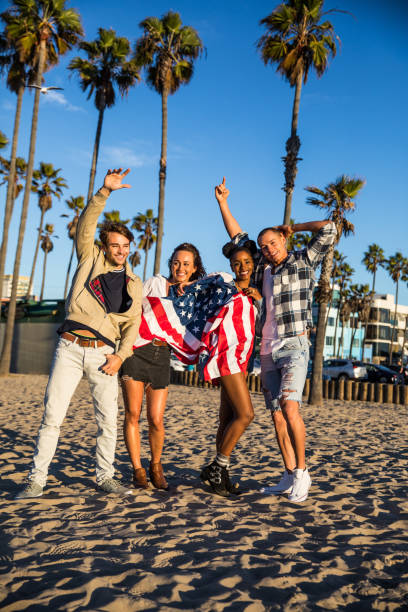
187, 246
229, 249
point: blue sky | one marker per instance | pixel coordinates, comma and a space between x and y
233, 119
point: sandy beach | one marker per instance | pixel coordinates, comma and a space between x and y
345, 548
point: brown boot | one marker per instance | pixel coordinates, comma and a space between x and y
157, 476
140, 479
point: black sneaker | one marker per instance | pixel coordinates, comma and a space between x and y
234, 489
218, 478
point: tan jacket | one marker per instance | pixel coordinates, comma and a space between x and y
85, 303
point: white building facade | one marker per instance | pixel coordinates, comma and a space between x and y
22, 286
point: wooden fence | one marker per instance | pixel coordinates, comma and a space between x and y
348, 390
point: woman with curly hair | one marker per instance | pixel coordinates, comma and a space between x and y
147, 372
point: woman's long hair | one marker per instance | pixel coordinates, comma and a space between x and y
187, 246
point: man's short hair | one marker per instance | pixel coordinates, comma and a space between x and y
275, 230
114, 226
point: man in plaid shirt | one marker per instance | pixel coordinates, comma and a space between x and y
286, 281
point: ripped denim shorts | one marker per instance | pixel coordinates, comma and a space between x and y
283, 373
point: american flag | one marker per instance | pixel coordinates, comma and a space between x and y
211, 325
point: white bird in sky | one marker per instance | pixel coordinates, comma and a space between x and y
44, 90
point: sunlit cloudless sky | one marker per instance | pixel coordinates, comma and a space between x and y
232, 119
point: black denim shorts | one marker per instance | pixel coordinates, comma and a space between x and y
148, 364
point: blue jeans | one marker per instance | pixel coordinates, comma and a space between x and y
283, 373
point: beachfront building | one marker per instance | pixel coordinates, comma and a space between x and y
377, 336
345, 343
379, 329
22, 286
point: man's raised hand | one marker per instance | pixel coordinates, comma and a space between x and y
221, 192
286, 230
113, 179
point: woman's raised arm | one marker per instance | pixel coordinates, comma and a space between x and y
231, 224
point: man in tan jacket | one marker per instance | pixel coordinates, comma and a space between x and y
103, 313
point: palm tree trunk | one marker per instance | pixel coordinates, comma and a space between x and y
8, 336
43, 277
353, 333
145, 264
336, 324
316, 391
292, 150
329, 305
69, 270
162, 184
364, 340
10, 187
369, 316
341, 341
404, 338
95, 154
37, 246
393, 327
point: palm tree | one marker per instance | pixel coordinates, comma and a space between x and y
359, 299
337, 199
44, 30
19, 173
46, 183
114, 215
373, 258
76, 204
345, 312
297, 40
47, 246
338, 261
107, 67
353, 301
17, 72
147, 225
134, 259
364, 312
397, 268
3, 140
345, 274
166, 51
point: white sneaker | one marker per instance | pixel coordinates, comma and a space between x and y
301, 486
284, 485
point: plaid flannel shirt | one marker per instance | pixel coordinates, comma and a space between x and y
293, 281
